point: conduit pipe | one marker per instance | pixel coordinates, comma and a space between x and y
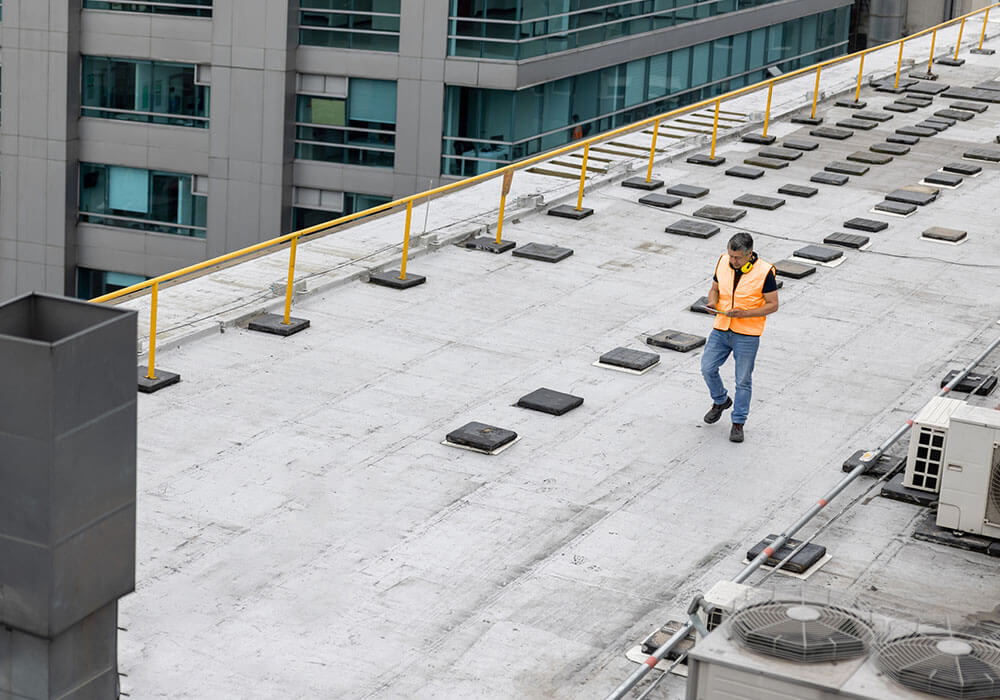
789, 532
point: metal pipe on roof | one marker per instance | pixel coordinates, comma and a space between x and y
783, 538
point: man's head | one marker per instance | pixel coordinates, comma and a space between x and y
740, 249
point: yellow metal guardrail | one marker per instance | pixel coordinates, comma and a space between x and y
507, 171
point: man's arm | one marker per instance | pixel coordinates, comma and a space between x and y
713, 295
769, 307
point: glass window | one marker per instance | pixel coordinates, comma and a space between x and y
519, 29
148, 200
358, 130
487, 128
191, 8
145, 91
304, 217
372, 25
95, 283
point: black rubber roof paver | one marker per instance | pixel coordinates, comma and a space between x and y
863, 124
759, 201
797, 190
944, 234
694, 229
959, 114
909, 140
819, 253
911, 197
832, 132
870, 157
915, 131
868, 225
959, 168
944, 179
841, 166
890, 207
830, 179
715, 213
872, 116
847, 240
780, 153
894, 149
795, 270
970, 107
800, 144
899, 107
765, 162
664, 201
746, 171
692, 191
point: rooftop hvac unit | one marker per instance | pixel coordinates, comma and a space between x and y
970, 485
928, 440
765, 660
944, 664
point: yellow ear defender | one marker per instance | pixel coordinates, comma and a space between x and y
749, 263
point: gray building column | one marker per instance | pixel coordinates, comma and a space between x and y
41, 104
252, 122
423, 41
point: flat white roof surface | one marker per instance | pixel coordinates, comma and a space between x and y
303, 533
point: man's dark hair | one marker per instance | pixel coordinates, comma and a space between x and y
742, 242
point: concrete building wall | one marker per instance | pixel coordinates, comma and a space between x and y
248, 52
38, 142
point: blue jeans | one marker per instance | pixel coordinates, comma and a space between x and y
744, 350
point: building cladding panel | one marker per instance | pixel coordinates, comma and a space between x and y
215, 106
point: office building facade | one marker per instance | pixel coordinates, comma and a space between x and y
139, 137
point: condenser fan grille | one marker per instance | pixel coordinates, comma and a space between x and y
802, 632
948, 665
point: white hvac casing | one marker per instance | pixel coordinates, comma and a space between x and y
719, 668
928, 441
970, 484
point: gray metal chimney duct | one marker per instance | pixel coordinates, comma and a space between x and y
67, 495
886, 21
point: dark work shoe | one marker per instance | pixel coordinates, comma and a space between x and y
715, 412
736, 434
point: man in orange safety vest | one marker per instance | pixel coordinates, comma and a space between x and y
744, 292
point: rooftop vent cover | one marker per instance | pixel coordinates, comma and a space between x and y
948, 665
802, 631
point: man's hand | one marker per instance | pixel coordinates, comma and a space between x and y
734, 313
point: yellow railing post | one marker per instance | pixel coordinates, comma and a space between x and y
961, 29
899, 64
861, 68
715, 128
930, 60
150, 374
406, 238
652, 151
982, 34
767, 108
291, 281
508, 178
812, 115
583, 176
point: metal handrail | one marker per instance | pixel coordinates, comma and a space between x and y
506, 172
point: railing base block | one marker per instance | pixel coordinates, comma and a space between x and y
811, 121
568, 211
759, 139
924, 76
639, 183
274, 324
852, 104
490, 245
983, 52
954, 62
702, 159
161, 380
390, 278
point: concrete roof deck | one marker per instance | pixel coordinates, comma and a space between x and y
303, 533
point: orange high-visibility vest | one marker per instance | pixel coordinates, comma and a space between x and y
749, 294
